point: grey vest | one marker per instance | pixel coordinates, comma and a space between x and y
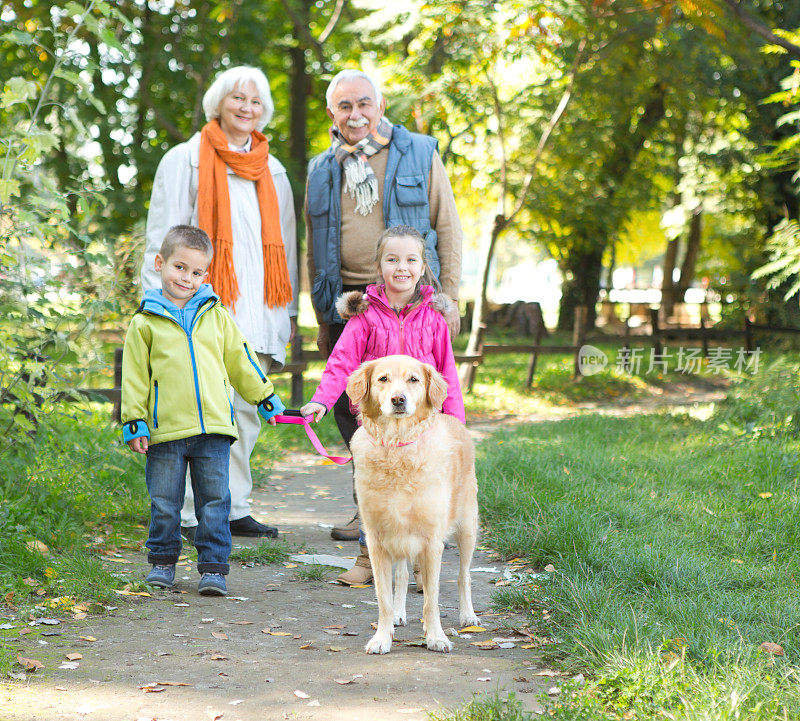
405, 202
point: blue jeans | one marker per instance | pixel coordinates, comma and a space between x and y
207, 456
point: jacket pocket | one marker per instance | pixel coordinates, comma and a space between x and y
411, 190
319, 198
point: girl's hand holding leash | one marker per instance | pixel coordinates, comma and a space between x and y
315, 409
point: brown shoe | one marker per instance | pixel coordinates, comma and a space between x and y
418, 578
360, 574
348, 532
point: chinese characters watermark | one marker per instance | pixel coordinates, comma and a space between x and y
689, 361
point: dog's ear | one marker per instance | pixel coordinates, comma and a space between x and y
436, 385
358, 383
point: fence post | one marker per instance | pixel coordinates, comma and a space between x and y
537, 339
297, 376
657, 349
704, 336
116, 412
578, 335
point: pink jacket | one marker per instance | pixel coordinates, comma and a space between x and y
374, 330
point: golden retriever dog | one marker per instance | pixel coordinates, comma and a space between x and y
415, 483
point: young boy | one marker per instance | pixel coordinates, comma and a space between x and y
183, 355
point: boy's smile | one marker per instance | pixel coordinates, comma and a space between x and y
182, 273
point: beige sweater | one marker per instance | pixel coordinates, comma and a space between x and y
359, 233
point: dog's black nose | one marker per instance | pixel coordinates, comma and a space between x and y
398, 401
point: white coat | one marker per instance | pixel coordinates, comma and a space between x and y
174, 202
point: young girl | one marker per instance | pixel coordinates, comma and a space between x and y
402, 315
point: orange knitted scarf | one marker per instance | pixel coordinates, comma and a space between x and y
214, 214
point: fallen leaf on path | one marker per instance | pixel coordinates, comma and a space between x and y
241, 623
220, 635
301, 694
766, 494
74, 656
290, 565
124, 592
547, 672
306, 646
487, 644
344, 681
338, 625
337, 648
472, 629
218, 657
773, 648
29, 664
419, 642
91, 639
361, 585
550, 568
173, 683
279, 633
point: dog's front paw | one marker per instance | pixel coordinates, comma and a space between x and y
439, 643
400, 618
379, 644
469, 620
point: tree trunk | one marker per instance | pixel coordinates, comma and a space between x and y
668, 285
299, 89
467, 370
581, 286
692, 251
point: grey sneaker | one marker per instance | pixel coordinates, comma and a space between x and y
161, 576
212, 584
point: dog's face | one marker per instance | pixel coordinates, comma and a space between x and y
396, 386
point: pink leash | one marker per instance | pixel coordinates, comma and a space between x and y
294, 418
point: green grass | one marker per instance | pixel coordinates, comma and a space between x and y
316, 572
485, 708
264, 552
675, 543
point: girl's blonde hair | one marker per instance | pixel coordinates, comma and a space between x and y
407, 231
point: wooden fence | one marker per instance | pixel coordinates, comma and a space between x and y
659, 334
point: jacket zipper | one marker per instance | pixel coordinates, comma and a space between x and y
155, 405
194, 366
228, 396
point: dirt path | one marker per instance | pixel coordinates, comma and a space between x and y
237, 671
280, 647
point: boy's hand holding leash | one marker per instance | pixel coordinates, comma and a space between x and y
314, 409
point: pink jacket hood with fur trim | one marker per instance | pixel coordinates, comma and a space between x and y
374, 330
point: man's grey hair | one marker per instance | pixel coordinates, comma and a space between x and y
235, 78
345, 75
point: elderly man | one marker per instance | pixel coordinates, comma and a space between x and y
374, 175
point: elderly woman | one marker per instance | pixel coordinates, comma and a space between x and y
224, 180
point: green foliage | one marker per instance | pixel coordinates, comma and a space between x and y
80, 483
675, 547
55, 274
768, 404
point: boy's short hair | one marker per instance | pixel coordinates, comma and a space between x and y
186, 236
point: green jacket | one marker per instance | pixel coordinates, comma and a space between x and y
179, 369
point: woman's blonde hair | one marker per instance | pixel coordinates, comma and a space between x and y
407, 231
